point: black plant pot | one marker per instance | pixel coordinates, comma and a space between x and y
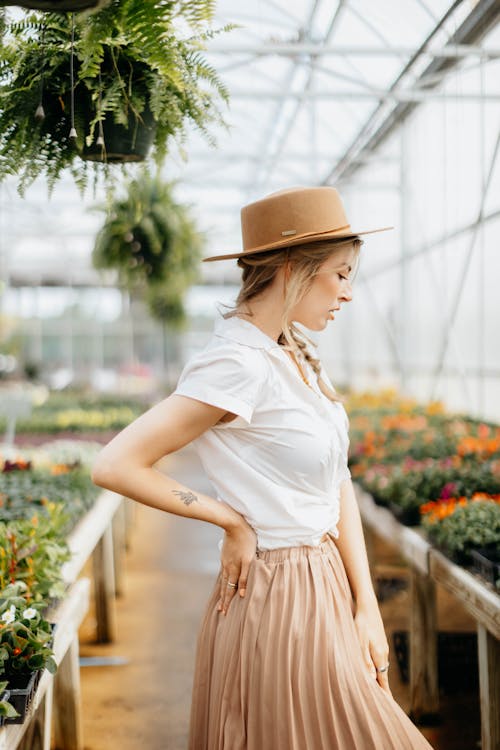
58, 5
22, 690
406, 516
122, 144
4, 697
486, 563
459, 557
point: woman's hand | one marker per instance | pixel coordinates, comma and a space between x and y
373, 640
238, 552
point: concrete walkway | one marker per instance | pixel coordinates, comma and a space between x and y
144, 704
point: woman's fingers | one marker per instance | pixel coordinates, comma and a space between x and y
229, 589
238, 581
223, 581
242, 582
369, 661
383, 681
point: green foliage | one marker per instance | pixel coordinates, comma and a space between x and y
32, 551
152, 242
77, 418
131, 58
35, 491
410, 488
25, 635
474, 525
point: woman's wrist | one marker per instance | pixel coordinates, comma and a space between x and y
232, 520
366, 599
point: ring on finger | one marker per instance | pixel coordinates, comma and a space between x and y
232, 585
383, 669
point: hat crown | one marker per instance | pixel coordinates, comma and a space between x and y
292, 213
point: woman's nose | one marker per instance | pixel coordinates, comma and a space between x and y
347, 292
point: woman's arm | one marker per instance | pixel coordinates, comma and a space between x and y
126, 465
367, 618
352, 547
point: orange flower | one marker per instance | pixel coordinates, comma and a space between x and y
16, 651
59, 469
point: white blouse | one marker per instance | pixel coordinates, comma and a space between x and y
281, 461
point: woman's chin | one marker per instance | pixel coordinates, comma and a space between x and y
319, 324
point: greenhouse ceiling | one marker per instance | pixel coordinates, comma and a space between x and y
316, 87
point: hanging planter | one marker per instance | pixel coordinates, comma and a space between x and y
74, 6
152, 242
109, 141
131, 69
117, 144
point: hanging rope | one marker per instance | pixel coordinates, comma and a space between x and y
72, 132
40, 112
100, 137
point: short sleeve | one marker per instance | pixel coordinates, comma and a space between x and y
229, 376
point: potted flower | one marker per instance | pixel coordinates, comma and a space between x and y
135, 69
152, 241
25, 647
459, 525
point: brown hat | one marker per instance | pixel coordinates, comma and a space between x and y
291, 217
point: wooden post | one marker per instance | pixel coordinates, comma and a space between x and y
130, 507
424, 688
67, 719
488, 651
369, 535
104, 587
119, 534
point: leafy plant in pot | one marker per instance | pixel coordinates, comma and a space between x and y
152, 241
473, 524
133, 64
25, 647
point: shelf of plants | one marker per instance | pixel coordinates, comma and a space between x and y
429, 483
52, 519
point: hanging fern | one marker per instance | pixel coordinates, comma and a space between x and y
152, 242
131, 58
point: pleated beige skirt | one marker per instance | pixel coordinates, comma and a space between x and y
283, 670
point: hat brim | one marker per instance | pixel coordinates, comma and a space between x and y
303, 239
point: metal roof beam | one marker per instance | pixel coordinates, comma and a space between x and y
316, 49
478, 23
411, 95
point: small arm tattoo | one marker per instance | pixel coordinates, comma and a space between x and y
186, 497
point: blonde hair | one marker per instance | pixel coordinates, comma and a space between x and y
259, 270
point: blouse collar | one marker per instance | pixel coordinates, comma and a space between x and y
244, 332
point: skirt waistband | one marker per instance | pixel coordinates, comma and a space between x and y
292, 553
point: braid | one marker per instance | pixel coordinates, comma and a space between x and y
300, 340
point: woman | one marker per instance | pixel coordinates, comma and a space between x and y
292, 653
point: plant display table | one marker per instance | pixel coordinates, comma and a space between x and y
98, 534
101, 535
428, 567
